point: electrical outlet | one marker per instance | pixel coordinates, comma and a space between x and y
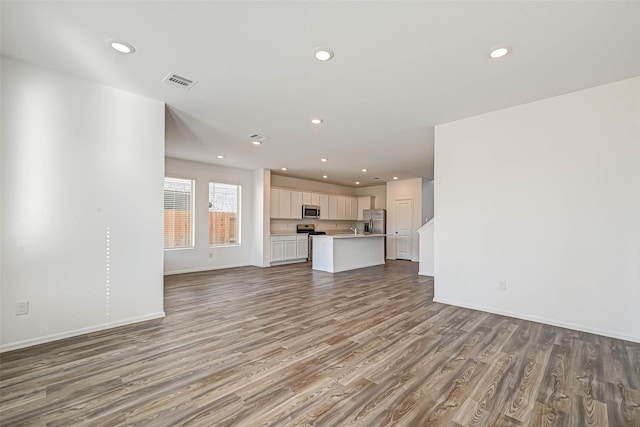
22, 307
502, 285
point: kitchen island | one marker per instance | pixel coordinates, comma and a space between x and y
342, 252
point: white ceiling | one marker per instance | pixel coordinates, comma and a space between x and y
399, 69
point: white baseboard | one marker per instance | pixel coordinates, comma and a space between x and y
553, 322
68, 334
200, 269
289, 261
412, 260
425, 273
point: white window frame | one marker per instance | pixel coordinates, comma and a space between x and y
238, 214
193, 219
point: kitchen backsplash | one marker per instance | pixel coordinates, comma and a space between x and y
279, 226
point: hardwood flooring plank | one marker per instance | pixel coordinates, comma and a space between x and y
289, 346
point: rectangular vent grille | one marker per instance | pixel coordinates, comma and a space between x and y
179, 81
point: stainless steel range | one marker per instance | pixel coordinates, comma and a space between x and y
309, 229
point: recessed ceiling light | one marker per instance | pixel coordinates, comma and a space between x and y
316, 121
364, 170
256, 142
324, 160
395, 177
357, 182
220, 156
499, 52
285, 169
325, 176
122, 47
323, 53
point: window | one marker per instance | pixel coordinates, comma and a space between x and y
224, 219
178, 213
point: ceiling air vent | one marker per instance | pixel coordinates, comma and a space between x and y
179, 81
258, 137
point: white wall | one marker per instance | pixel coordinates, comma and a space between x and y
405, 189
545, 196
308, 185
425, 234
261, 248
82, 179
427, 200
201, 257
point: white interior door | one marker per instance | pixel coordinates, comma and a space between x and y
403, 221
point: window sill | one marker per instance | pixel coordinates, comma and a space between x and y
180, 249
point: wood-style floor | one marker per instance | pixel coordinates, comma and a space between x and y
290, 346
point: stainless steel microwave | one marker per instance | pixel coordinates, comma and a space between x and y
310, 211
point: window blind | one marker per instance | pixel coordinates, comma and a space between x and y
178, 213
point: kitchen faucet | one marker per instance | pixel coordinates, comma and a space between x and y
354, 229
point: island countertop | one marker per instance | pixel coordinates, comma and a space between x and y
346, 236
341, 252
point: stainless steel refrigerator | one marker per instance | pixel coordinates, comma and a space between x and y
375, 221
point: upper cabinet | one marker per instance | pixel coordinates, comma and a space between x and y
311, 199
287, 204
333, 208
323, 202
275, 203
342, 208
306, 198
354, 208
296, 204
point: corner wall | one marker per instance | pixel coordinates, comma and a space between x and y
81, 199
544, 196
261, 247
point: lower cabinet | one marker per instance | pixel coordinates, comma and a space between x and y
290, 250
302, 248
277, 251
293, 247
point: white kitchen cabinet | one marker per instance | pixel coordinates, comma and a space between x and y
290, 249
286, 204
302, 249
275, 203
347, 207
284, 209
333, 207
323, 202
296, 205
311, 199
354, 208
294, 247
364, 202
277, 250
341, 210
